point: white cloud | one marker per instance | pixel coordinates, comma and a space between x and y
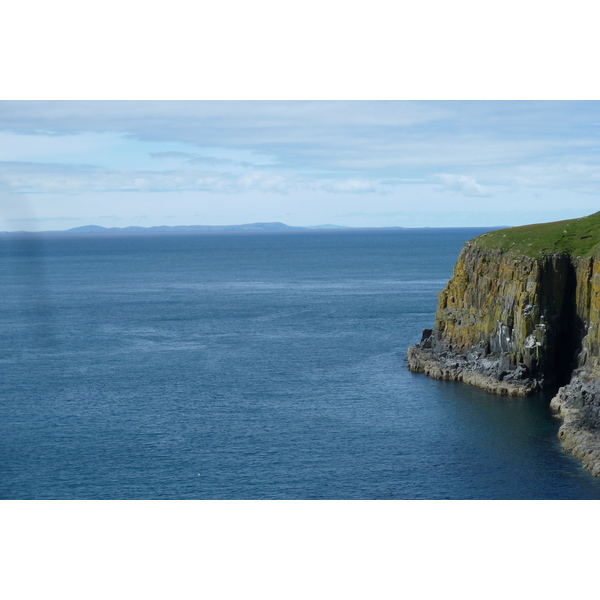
265, 181
461, 184
395, 137
78, 179
349, 185
558, 175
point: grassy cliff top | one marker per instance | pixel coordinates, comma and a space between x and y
576, 237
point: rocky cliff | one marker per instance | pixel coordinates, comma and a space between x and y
521, 313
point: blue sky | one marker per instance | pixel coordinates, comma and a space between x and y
354, 163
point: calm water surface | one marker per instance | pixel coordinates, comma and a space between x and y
250, 366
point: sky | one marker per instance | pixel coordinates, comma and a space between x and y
355, 163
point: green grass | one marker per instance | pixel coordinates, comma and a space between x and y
576, 237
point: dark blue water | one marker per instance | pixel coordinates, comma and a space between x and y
250, 366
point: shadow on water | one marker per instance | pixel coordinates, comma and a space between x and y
509, 445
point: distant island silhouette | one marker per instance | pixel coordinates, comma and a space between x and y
271, 226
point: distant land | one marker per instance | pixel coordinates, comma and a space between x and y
274, 226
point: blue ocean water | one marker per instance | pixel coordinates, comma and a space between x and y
250, 366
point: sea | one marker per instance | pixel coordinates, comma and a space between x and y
267, 365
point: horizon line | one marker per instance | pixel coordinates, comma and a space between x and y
255, 227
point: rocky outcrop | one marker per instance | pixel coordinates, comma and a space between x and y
457, 367
503, 320
578, 404
515, 322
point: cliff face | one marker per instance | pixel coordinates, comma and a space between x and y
519, 316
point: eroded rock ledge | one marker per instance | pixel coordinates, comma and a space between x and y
514, 321
456, 367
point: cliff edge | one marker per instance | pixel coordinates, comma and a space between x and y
520, 314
